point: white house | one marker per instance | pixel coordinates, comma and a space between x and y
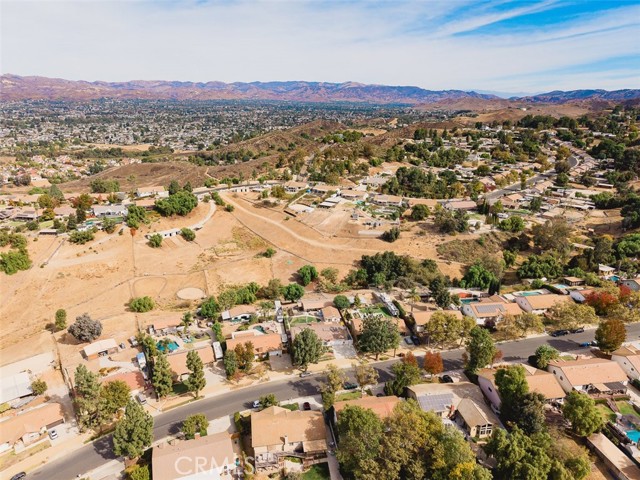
490, 313
539, 304
589, 375
205, 458
117, 210
632, 283
156, 191
580, 296
629, 360
539, 381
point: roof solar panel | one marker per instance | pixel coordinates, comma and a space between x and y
437, 402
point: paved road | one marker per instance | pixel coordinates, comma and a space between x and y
94, 455
573, 161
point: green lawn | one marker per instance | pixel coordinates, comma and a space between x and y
319, 471
291, 406
607, 414
303, 319
179, 388
349, 396
626, 408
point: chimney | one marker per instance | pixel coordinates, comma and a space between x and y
286, 440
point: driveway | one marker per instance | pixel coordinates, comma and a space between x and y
344, 351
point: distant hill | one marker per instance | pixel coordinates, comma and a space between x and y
14, 87
558, 96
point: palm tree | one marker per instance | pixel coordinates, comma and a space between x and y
414, 296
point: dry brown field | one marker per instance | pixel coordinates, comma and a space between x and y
100, 278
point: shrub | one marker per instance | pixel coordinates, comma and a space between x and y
188, 234
391, 235
141, 304
85, 329
80, 238
155, 240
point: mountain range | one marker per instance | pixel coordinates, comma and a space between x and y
14, 87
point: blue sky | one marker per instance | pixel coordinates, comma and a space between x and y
505, 46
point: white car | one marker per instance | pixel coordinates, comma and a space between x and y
256, 404
53, 434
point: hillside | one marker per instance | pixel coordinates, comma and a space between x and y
14, 87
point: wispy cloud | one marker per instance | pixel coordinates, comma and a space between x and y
440, 44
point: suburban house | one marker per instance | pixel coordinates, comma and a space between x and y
322, 189
134, 380
629, 360
156, 191
464, 205
573, 281
178, 361
580, 296
490, 313
539, 304
381, 406
239, 313
277, 433
109, 210
354, 195
294, 187
331, 314
473, 419
264, 344
29, 427
314, 304
165, 324
539, 381
26, 216
100, 348
356, 324
632, 283
622, 467
63, 211
445, 400
387, 200
15, 387
204, 458
590, 375
331, 335
422, 317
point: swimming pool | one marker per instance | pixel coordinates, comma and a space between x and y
467, 301
171, 346
634, 435
529, 294
561, 286
614, 278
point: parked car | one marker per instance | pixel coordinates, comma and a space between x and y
577, 330
585, 344
446, 379
408, 341
256, 404
415, 339
141, 398
53, 434
305, 374
306, 406
19, 476
122, 346
350, 386
559, 333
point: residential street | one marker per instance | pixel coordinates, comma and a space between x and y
93, 455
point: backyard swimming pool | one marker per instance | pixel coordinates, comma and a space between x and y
634, 435
171, 346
